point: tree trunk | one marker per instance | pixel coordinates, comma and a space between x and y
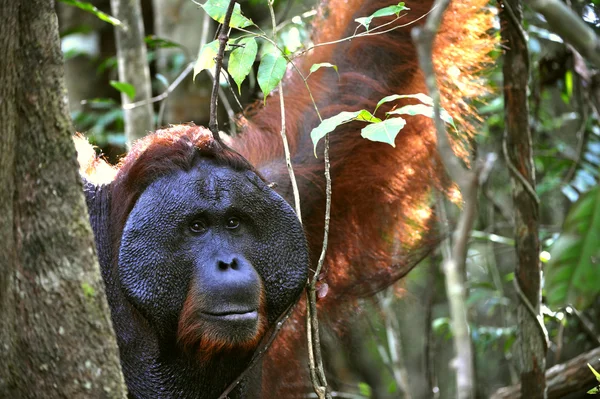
133, 67
183, 23
519, 157
55, 331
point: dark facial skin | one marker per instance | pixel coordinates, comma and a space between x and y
224, 249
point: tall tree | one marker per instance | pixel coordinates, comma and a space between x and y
56, 335
519, 156
133, 68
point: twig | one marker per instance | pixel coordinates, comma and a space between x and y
518, 175
213, 123
581, 139
262, 349
392, 326
534, 314
373, 32
320, 382
227, 105
586, 325
189, 68
286, 147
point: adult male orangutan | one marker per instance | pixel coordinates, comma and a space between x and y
200, 256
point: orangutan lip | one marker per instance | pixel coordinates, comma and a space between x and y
241, 316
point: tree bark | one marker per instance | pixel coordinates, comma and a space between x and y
56, 339
133, 67
531, 344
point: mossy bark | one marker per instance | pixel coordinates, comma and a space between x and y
56, 339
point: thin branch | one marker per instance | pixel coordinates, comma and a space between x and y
317, 371
286, 147
581, 139
373, 32
213, 124
394, 340
319, 383
262, 349
189, 68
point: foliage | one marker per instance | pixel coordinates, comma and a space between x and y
571, 276
218, 8
384, 131
270, 72
595, 390
89, 7
384, 12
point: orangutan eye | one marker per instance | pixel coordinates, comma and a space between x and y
197, 227
233, 223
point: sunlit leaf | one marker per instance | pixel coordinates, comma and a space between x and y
424, 98
270, 72
316, 67
385, 131
92, 9
572, 273
365, 389
384, 12
217, 9
596, 374
422, 109
206, 58
241, 60
123, 87
569, 84
328, 125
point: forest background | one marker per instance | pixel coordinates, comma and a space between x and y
403, 347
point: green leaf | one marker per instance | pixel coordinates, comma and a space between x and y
572, 273
267, 48
241, 60
365, 389
206, 57
424, 98
596, 374
316, 67
218, 8
440, 325
422, 109
328, 125
153, 41
384, 12
92, 9
366, 116
270, 72
123, 87
385, 131
569, 84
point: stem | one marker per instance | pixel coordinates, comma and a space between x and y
213, 124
